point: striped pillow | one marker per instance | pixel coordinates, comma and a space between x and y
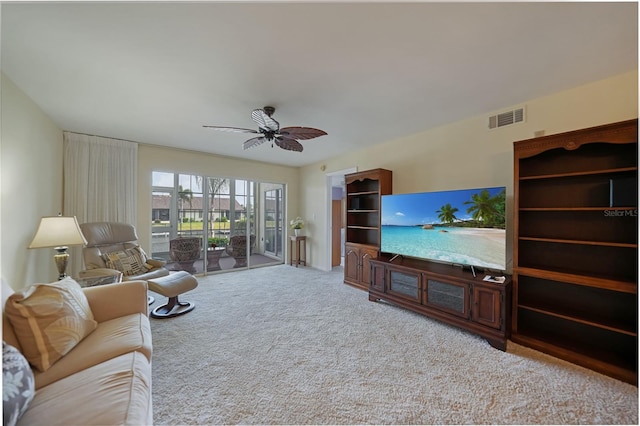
49, 320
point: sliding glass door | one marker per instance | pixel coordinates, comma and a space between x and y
273, 221
218, 224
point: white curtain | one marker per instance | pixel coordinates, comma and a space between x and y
100, 183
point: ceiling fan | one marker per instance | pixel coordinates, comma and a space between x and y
270, 131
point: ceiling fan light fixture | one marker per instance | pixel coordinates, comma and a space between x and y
286, 138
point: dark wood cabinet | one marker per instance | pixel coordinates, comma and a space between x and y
487, 306
576, 247
356, 263
446, 293
364, 191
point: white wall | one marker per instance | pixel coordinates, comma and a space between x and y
467, 155
31, 168
32, 183
458, 155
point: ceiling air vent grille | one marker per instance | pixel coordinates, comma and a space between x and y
506, 118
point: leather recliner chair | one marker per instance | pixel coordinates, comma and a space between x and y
107, 237
115, 246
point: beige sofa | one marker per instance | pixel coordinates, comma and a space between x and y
106, 377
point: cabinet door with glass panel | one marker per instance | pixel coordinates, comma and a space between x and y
449, 296
405, 284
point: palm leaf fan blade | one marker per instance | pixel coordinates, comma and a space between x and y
231, 129
253, 142
264, 121
302, 133
289, 144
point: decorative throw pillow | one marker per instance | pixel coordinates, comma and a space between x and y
129, 261
144, 258
49, 320
18, 386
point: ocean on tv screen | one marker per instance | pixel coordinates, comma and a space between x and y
460, 227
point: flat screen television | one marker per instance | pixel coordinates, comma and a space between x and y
461, 227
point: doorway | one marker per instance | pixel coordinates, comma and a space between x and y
273, 221
336, 212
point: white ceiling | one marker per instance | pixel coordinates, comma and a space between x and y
363, 72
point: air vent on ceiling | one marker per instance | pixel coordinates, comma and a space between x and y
506, 118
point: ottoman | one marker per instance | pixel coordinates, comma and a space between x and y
172, 286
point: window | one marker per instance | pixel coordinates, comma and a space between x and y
222, 212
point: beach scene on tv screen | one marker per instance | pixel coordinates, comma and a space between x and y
460, 227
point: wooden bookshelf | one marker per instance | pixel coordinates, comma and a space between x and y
575, 279
364, 191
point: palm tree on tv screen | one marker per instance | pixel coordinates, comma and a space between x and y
487, 209
447, 213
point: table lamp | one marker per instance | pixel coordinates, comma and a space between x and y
58, 232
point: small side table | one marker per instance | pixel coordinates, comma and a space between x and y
298, 247
213, 258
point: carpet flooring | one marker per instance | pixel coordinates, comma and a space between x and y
286, 345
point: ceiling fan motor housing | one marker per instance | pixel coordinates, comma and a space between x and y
268, 134
269, 110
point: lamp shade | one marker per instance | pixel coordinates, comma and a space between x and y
55, 231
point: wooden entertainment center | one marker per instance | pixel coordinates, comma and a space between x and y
574, 289
445, 292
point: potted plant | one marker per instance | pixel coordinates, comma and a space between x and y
218, 242
297, 224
